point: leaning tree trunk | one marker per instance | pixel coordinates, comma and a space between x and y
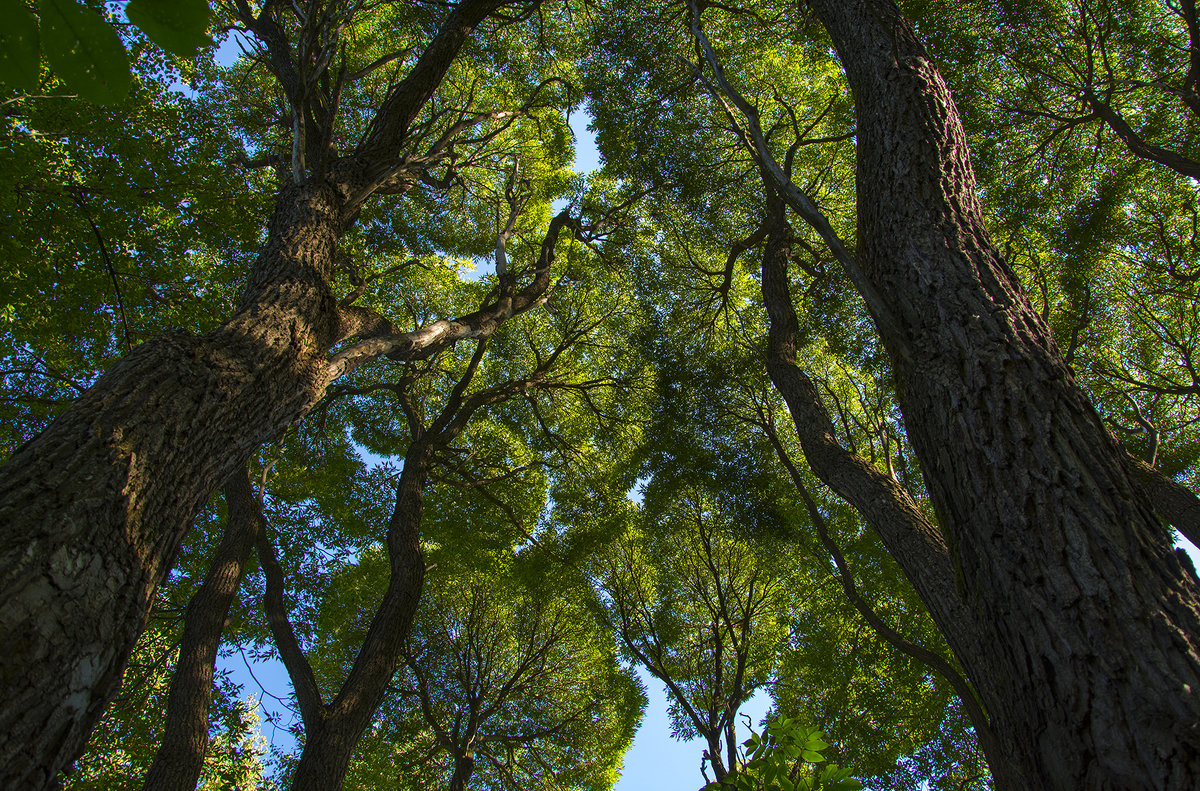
93, 509
180, 757
1093, 626
333, 731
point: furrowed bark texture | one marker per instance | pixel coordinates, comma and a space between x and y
93, 509
1092, 624
330, 740
180, 757
915, 543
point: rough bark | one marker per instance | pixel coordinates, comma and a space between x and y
913, 541
93, 509
1092, 626
180, 757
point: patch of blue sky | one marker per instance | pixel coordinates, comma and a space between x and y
657, 762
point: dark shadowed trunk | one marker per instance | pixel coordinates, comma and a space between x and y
93, 509
1091, 625
464, 767
180, 757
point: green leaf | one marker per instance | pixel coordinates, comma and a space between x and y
178, 26
815, 744
18, 46
813, 758
85, 51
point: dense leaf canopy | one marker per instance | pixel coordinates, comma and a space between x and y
608, 483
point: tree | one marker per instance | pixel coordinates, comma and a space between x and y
702, 612
885, 142
132, 736
930, 222
907, 228
1034, 538
514, 687
140, 481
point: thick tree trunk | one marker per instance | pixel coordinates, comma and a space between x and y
180, 757
464, 767
93, 509
330, 742
914, 542
1092, 624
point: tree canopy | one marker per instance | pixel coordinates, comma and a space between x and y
862, 374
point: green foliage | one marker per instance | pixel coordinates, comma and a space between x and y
84, 50
116, 225
119, 224
787, 757
177, 26
123, 744
516, 675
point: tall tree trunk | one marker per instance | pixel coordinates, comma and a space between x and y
180, 757
913, 541
1092, 625
93, 509
464, 767
330, 741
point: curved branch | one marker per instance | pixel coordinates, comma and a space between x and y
1174, 503
962, 687
433, 338
304, 682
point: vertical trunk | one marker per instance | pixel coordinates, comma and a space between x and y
731, 745
714, 756
464, 766
180, 756
93, 509
1092, 625
329, 746
915, 543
